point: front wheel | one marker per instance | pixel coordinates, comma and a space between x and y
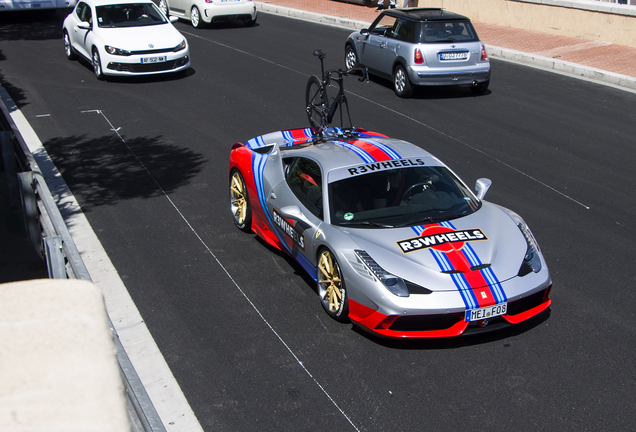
316, 103
401, 83
331, 287
240, 202
97, 65
68, 47
195, 17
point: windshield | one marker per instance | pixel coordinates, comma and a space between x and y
400, 197
129, 15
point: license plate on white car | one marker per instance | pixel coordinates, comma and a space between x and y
486, 312
157, 59
453, 55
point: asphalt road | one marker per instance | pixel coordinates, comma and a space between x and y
241, 326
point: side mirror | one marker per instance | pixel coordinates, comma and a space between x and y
364, 32
173, 19
482, 186
84, 25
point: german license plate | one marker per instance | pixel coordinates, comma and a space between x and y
157, 59
486, 312
454, 55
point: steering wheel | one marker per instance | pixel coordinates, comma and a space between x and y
413, 189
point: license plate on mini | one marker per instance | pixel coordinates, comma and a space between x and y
454, 55
157, 59
486, 312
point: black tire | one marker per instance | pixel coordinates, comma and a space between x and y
97, 65
240, 202
249, 22
195, 18
68, 47
316, 103
480, 88
401, 83
351, 58
331, 286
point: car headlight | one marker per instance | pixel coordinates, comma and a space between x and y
532, 260
394, 284
180, 47
116, 51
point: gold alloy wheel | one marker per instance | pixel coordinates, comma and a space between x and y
330, 285
239, 201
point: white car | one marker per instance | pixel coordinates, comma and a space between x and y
203, 12
124, 38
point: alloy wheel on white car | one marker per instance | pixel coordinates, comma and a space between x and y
97, 65
68, 48
195, 17
163, 7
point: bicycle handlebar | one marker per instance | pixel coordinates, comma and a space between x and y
341, 73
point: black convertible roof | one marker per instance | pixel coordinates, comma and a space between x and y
425, 14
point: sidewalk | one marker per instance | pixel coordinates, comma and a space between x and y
603, 61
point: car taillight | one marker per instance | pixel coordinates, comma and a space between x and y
484, 56
419, 59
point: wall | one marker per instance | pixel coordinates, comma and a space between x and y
592, 20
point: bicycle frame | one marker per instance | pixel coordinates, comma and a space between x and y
319, 104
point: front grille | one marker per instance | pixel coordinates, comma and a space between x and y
153, 51
426, 322
526, 303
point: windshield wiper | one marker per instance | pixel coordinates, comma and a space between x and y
365, 223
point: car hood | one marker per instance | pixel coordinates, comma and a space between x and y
141, 38
429, 254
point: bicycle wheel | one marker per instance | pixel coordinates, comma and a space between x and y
316, 103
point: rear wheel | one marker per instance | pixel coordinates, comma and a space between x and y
68, 48
97, 65
401, 83
195, 17
240, 202
331, 287
250, 22
163, 7
316, 103
480, 87
351, 59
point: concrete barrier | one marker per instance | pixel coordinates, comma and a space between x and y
590, 20
58, 369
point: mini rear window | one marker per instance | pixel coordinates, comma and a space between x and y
447, 31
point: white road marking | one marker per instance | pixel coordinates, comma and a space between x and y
161, 386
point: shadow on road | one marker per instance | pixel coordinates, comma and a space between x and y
105, 170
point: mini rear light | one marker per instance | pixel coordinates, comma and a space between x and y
484, 56
237, 145
419, 59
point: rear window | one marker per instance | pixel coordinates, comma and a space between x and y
447, 31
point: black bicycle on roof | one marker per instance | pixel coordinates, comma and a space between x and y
321, 108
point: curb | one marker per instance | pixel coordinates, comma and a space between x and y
574, 69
